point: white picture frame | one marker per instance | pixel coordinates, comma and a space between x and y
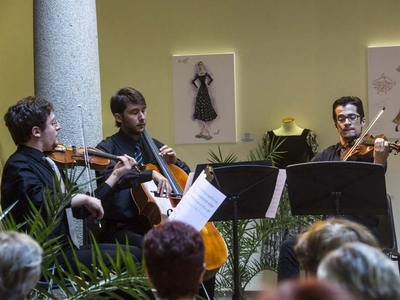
384, 90
204, 98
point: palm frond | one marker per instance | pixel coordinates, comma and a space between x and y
102, 280
219, 158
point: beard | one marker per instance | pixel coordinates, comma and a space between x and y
135, 130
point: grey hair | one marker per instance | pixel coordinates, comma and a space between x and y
363, 270
20, 261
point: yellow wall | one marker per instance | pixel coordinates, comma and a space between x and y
16, 62
293, 58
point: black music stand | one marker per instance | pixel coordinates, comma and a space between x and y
249, 187
337, 188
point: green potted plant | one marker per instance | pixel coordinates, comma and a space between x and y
97, 282
255, 235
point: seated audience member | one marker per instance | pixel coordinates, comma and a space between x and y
20, 260
325, 236
363, 270
312, 288
174, 260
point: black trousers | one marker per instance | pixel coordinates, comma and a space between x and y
84, 255
288, 266
207, 290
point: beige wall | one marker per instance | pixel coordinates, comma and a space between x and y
293, 59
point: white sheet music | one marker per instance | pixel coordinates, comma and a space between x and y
198, 204
280, 184
188, 182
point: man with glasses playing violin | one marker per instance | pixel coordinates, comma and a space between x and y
349, 120
29, 175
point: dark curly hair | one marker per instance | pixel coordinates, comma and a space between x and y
24, 115
119, 102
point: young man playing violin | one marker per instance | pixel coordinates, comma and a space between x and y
349, 120
29, 174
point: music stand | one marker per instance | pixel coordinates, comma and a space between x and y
249, 187
337, 188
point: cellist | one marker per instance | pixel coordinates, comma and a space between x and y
122, 219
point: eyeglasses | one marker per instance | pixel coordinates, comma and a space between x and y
351, 117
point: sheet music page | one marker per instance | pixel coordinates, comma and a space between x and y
280, 184
198, 204
188, 182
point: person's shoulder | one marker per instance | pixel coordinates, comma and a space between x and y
16, 157
24, 154
108, 140
326, 154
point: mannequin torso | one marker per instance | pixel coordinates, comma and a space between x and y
288, 127
299, 144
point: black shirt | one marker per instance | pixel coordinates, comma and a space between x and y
120, 207
27, 175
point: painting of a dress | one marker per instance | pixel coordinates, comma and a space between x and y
383, 90
203, 109
204, 98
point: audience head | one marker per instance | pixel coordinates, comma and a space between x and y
26, 114
325, 236
174, 259
310, 289
20, 260
363, 270
125, 96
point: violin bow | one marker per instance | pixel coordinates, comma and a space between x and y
87, 161
359, 140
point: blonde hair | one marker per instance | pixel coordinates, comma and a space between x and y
325, 236
20, 262
363, 270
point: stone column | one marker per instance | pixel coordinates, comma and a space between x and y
67, 69
67, 66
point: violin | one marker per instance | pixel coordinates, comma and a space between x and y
70, 157
364, 150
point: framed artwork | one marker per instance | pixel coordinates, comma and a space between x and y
204, 98
384, 90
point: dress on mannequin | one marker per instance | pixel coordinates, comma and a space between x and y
300, 144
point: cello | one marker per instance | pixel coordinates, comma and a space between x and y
156, 208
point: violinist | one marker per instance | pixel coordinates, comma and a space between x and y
349, 120
28, 174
